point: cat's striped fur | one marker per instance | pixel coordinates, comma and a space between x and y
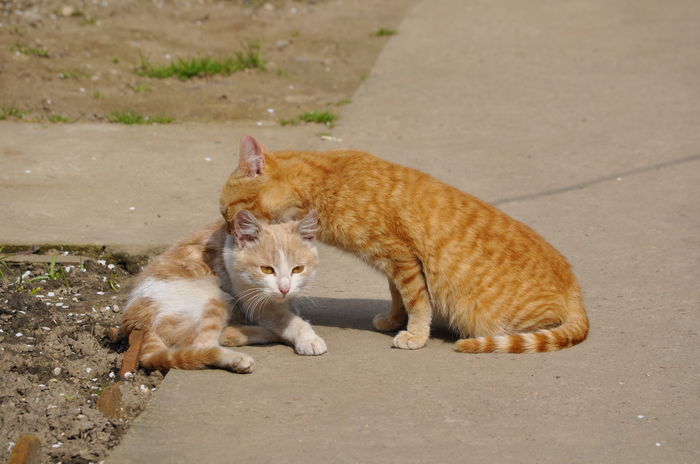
446, 253
185, 296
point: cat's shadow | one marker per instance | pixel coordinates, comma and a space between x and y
353, 313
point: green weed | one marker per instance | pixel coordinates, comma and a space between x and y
139, 88
383, 32
288, 122
97, 95
11, 112
129, 117
88, 21
26, 50
184, 69
55, 272
319, 117
113, 283
77, 75
344, 101
57, 118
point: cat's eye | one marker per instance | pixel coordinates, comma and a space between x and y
298, 270
267, 269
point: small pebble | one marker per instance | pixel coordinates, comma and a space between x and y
129, 375
132, 208
640, 417
111, 266
112, 375
57, 371
658, 444
207, 159
88, 369
18, 334
102, 262
100, 293
50, 294
57, 445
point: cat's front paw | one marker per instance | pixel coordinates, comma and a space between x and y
241, 363
408, 341
383, 323
310, 346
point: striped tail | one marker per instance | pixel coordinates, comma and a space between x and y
574, 330
156, 355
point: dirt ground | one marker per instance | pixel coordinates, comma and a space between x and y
70, 60
57, 358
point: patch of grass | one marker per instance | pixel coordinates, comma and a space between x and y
41, 52
129, 117
281, 72
97, 95
85, 21
57, 118
319, 117
56, 272
344, 101
115, 60
383, 32
248, 58
139, 88
77, 75
11, 112
113, 283
288, 122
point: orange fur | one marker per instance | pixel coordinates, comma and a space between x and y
445, 252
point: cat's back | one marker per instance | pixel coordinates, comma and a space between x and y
195, 256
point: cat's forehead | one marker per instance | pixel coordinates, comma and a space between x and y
277, 240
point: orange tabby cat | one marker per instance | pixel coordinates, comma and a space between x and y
185, 296
446, 253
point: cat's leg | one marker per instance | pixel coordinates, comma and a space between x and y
214, 316
292, 329
240, 335
411, 285
396, 317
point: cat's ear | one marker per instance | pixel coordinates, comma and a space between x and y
308, 227
251, 158
246, 227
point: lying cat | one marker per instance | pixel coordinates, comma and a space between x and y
185, 296
446, 253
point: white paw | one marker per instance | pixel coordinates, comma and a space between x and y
241, 363
407, 341
312, 345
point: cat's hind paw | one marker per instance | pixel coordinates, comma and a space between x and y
408, 341
310, 346
384, 323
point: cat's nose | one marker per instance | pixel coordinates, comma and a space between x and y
284, 286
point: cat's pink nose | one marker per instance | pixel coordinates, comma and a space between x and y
284, 290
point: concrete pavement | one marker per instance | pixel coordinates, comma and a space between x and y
579, 118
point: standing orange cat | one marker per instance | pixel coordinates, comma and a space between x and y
447, 254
